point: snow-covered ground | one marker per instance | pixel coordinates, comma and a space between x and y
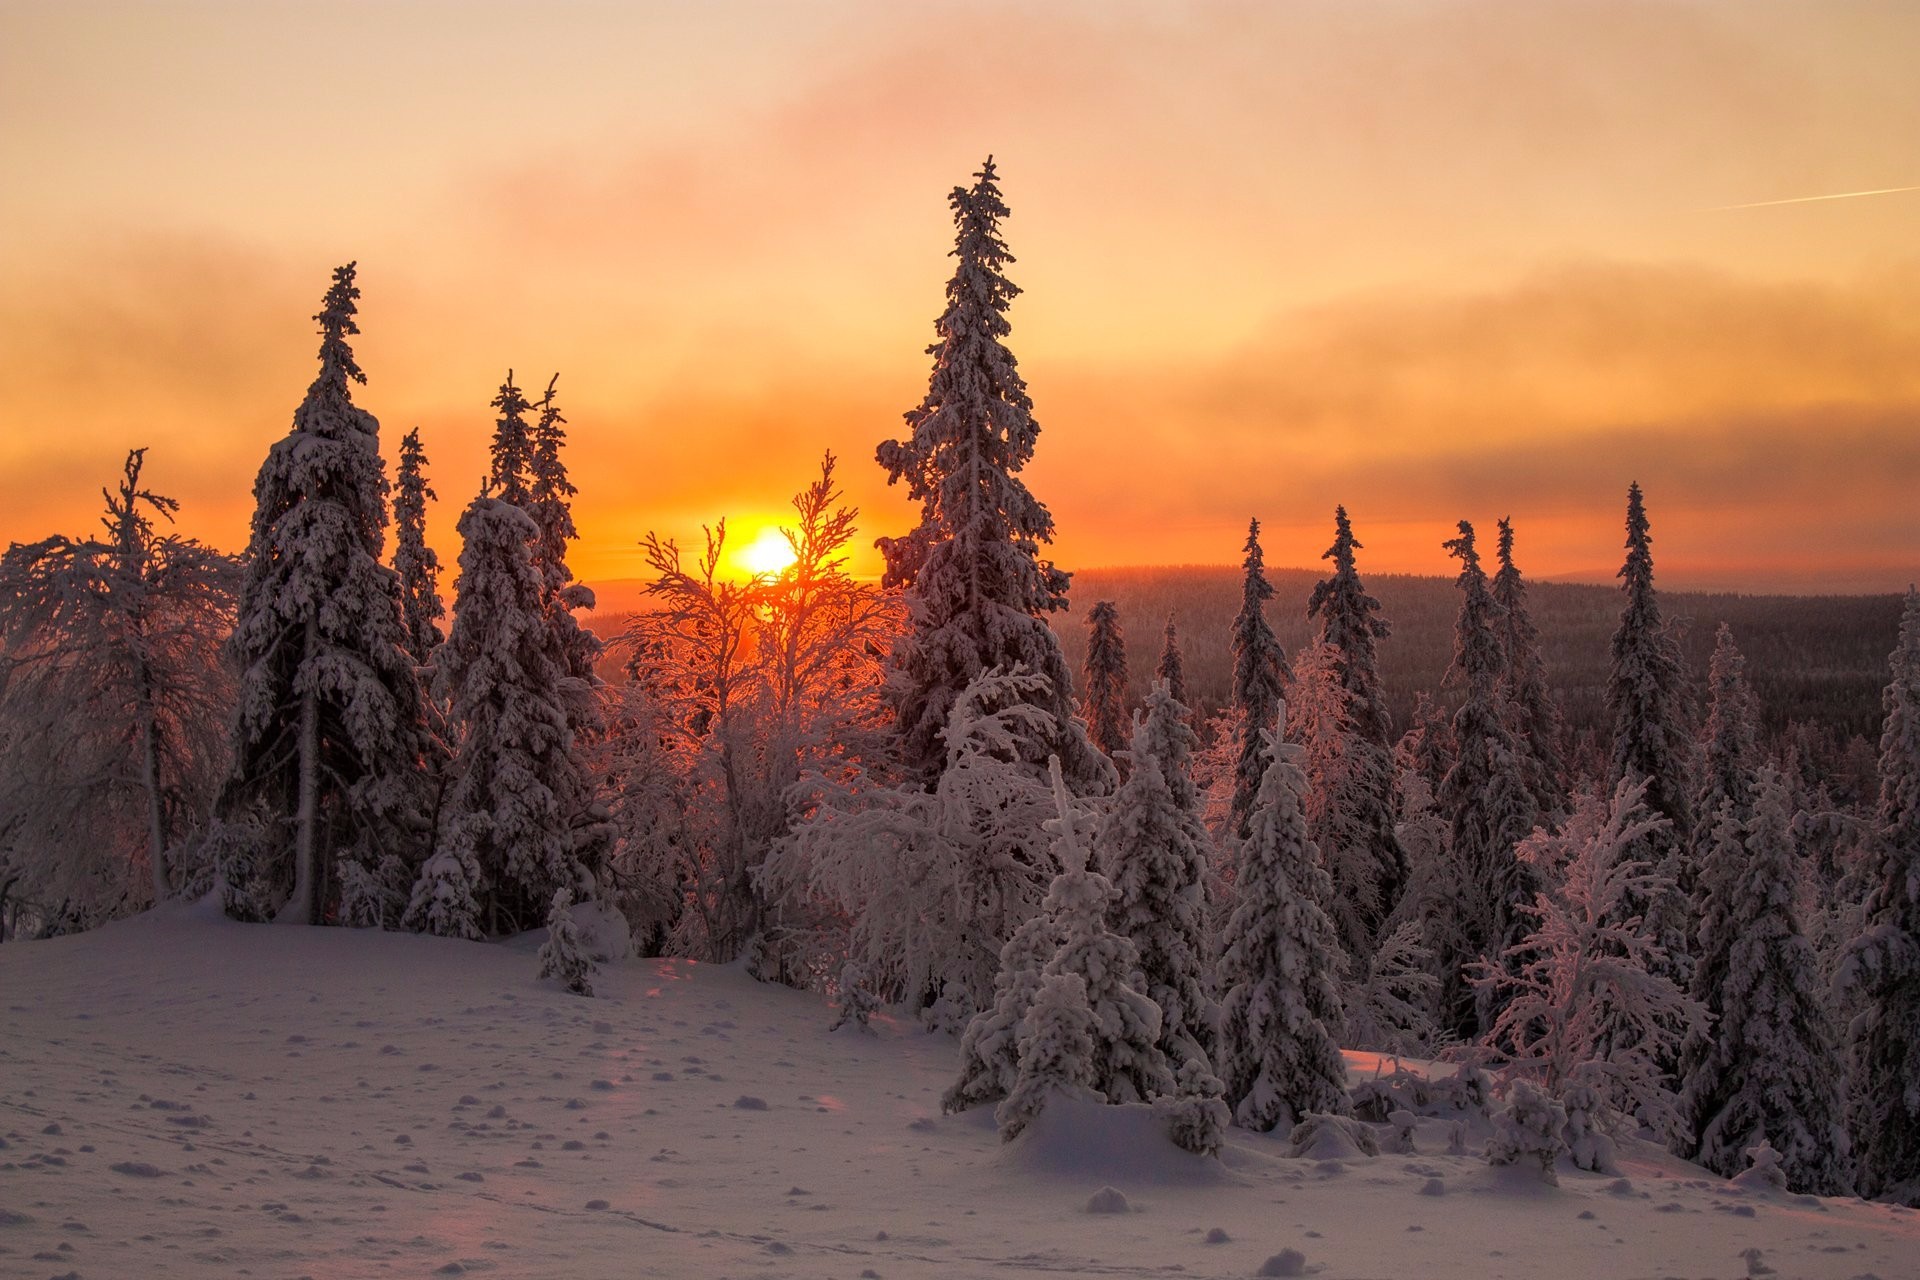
181, 1096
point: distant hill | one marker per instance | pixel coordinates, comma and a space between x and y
1820, 659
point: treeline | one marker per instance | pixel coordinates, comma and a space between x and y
1818, 661
1559, 847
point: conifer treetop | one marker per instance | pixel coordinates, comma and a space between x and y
336, 322
512, 451
1477, 658
1172, 667
1350, 621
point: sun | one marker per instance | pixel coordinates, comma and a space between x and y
769, 553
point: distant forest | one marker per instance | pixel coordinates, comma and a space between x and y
1820, 660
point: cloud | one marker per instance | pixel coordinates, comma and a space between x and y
1774, 415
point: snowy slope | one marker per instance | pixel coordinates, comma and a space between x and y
181, 1096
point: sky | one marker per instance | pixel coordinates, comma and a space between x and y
1431, 260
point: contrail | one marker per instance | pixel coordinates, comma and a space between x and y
1839, 195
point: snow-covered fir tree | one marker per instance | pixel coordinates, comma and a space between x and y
1723, 806
1128, 1065
515, 786
1535, 715
564, 954
1172, 668
550, 502
1729, 747
1583, 997
1647, 700
1259, 676
416, 564
1770, 1072
1350, 621
1880, 969
1106, 682
1488, 802
113, 702
1277, 1054
1153, 849
1371, 873
329, 729
990, 1046
971, 569
510, 456
1320, 714
1056, 1054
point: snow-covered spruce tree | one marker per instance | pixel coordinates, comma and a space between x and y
1373, 873
1584, 998
1647, 699
1489, 806
1723, 807
971, 570
1106, 687
1350, 621
1320, 714
1153, 849
1128, 1065
564, 955
1056, 1053
112, 702
934, 885
549, 502
1172, 669
515, 782
511, 453
1535, 715
1880, 969
414, 561
1730, 749
1771, 1072
990, 1047
329, 730
1259, 676
1277, 1054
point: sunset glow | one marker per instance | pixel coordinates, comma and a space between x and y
1431, 260
769, 553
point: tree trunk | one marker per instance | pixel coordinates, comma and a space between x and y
150, 779
300, 908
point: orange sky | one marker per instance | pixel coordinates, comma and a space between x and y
1429, 259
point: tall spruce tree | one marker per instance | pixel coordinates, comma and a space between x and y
1880, 970
1646, 696
1172, 668
1770, 1072
328, 732
1537, 726
413, 560
971, 569
1281, 1011
1259, 676
1350, 625
1106, 677
507, 833
1730, 748
1153, 849
1489, 806
550, 495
